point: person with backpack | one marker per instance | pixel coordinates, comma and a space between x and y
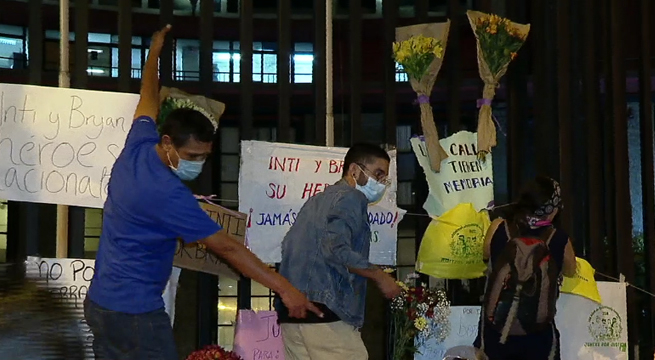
527, 258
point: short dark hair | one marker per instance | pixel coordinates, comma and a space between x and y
183, 124
363, 154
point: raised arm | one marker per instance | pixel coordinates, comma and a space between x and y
149, 94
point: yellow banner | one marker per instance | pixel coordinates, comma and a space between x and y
452, 244
583, 282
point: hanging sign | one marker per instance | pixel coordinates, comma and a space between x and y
462, 179
275, 181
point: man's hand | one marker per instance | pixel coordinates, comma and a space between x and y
298, 304
157, 41
388, 286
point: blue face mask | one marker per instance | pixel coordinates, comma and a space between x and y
373, 190
186, 170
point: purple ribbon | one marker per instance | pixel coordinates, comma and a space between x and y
423, 99
482, 102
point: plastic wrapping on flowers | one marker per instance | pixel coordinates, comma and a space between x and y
419, 314
213, 352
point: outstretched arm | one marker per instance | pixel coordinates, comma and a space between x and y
237, 255
149, 94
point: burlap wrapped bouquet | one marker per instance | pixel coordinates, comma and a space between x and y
172, 98
419, 49
499, 40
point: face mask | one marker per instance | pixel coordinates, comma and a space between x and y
373, 190
186, 170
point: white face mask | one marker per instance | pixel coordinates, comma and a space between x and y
373, 190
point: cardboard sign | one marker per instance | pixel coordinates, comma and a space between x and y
275, 181
258, 336
197, 257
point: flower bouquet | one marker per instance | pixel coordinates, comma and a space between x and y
213, 352
419, 50
499, 40
419, 314
172, 98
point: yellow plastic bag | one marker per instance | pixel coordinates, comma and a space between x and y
583, 283
452, 245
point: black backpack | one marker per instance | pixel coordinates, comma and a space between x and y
522, 287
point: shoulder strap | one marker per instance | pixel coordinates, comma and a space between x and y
550, 235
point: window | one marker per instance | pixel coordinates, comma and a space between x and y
406, 166
226, 60
303, 63
138, 56
368, 6
92, 230
406, 247
4, 209
13, 53
261, 297
401, 75
100, 60
227, 310
264, 62
187, 60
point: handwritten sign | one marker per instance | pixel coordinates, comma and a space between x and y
258, 336
464, 321
69, 279
59, 145
587, 330
197, 257
275, 181
462, 179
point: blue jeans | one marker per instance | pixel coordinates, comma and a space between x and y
122, 336
535, 346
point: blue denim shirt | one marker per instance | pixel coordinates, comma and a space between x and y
331, 234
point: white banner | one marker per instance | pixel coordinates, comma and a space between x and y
464, 321
593, 332
58, 145
69, 279
275, 181
588, 331
462, 179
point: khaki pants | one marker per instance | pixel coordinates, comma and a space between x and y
329, 341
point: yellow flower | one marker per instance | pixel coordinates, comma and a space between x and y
388, 270
438, 51
420, 323
512, 55
402, 285
403, 55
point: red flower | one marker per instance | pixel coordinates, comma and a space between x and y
213, 352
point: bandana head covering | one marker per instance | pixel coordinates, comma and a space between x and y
555, 202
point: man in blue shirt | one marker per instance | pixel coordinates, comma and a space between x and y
325, 255
147, 209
